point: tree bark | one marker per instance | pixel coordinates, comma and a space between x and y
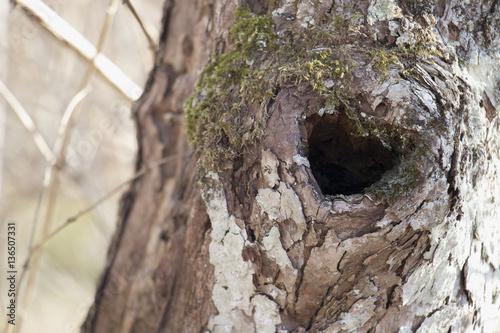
345, 174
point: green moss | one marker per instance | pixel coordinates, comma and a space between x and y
399, 181
421, 44
253, 34
235, 87
382, 59
413, 150
425, 45
227, 111
215, 122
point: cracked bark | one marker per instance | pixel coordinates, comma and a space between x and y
263, 246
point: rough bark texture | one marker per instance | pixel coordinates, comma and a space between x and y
358, 192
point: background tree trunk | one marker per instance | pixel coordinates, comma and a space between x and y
345, 175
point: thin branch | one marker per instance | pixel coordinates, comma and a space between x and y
49, 191
65, 125
51, 179
35, 249
151, 42
58, 150
66, 33
28, 123
88, 209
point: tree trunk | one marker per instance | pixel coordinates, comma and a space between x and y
344, 175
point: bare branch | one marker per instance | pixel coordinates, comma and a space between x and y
51, 178
152, 43
75, 217
28, 123
66, 33
34, 250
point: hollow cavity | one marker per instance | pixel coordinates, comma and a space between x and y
341, 162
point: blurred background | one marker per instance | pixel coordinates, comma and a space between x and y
44, 74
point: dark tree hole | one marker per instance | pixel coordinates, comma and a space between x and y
341, 162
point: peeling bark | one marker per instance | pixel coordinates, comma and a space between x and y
377, 214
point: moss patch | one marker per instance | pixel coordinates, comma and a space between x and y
382, 59
216, 120
235, 88
411, 148
399, 181
228, 111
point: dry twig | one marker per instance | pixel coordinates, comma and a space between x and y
151, 42
49, 190
51, 178
28, 123
75, 217
34, 250
65, 32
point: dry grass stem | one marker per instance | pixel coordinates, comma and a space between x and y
51, 179
66, 33
48, 194
88, 209
34, 251
28, 123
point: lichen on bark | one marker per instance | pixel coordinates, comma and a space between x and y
402, 90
